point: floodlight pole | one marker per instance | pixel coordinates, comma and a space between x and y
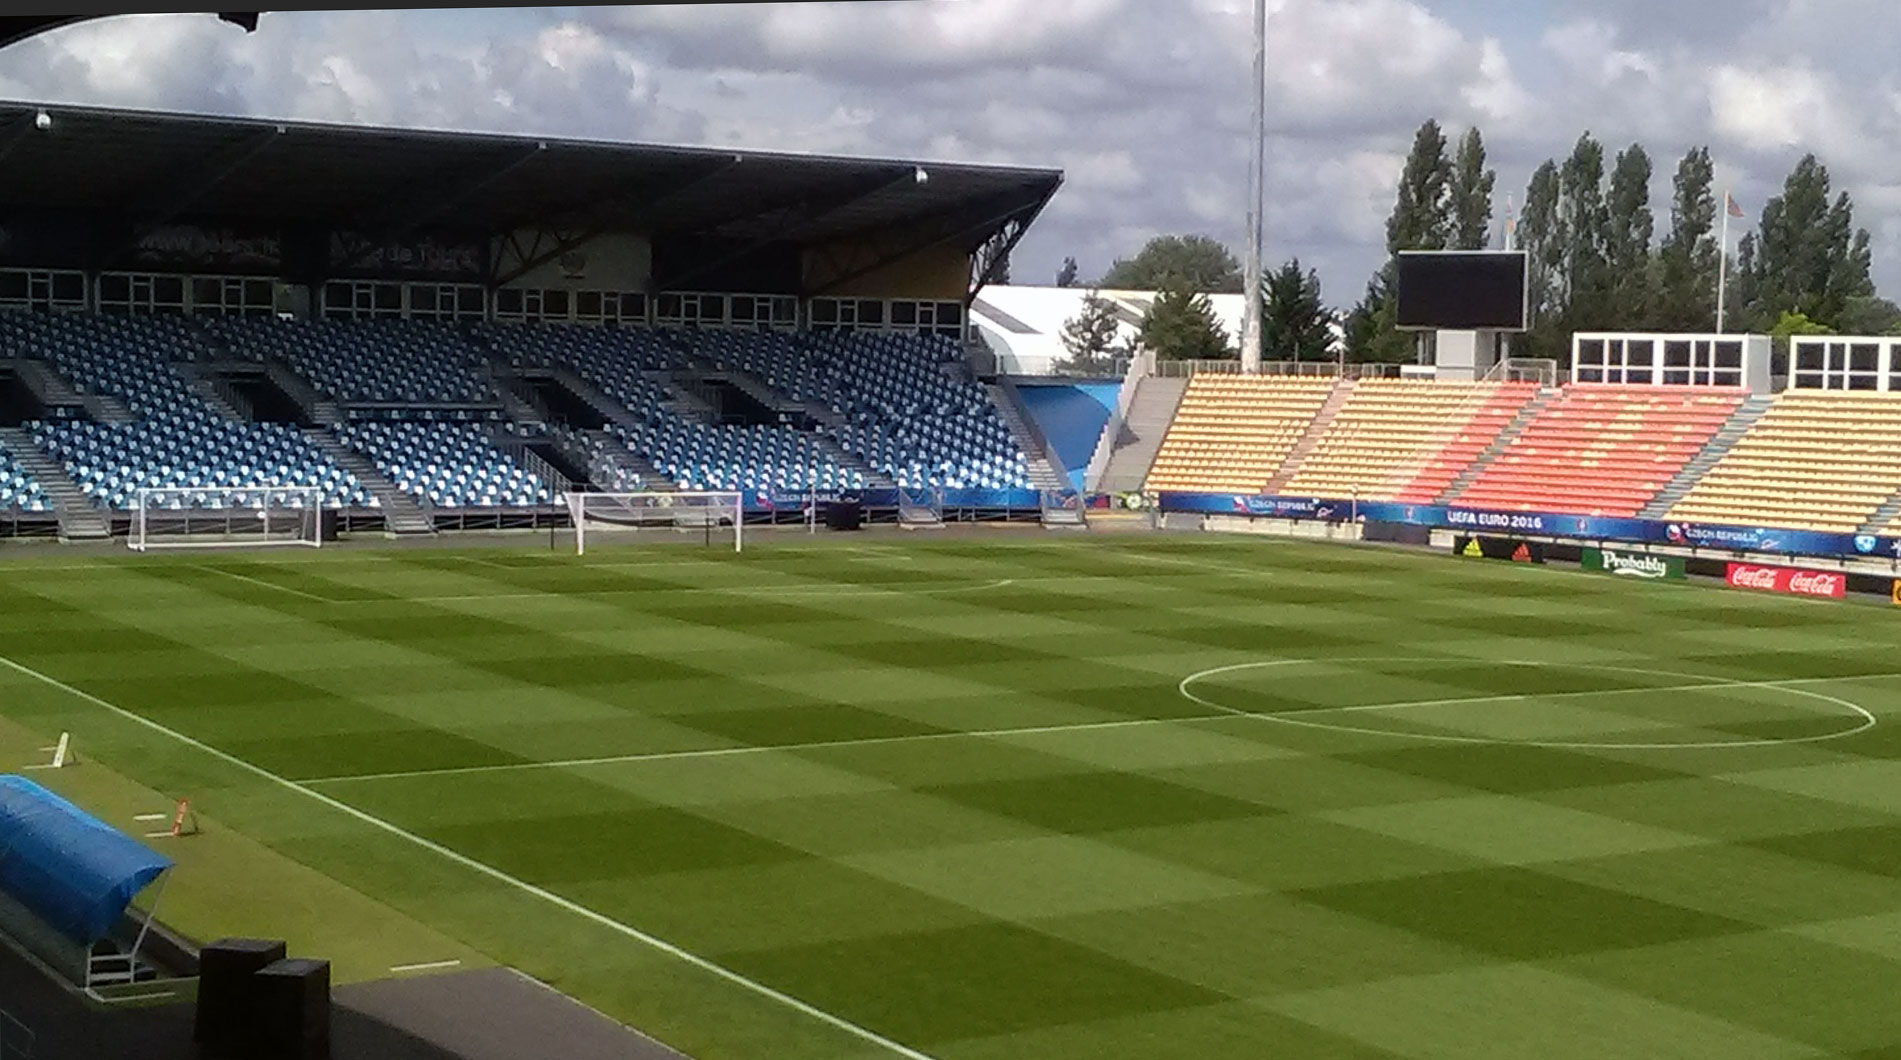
1257, 193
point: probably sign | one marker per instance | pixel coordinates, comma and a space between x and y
1647, 566
1832, 585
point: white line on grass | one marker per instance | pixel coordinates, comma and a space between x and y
737, 590
428, 966
651, 941
265, 584
759, 749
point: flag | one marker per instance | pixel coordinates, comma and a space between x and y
1729, 202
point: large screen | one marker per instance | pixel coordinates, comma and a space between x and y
1460, 291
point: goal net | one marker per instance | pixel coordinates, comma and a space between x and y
226, 517
713, 518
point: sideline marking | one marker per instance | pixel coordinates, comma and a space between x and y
601, 919
265, 584
428, 966
1867, 719
751, 749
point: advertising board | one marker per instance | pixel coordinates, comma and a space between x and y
1788, 580
1503, 548
1645, 566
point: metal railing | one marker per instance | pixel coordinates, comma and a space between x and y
1542, 371
16, 1038
1304, 369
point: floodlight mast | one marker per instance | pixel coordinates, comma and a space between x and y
1257, 194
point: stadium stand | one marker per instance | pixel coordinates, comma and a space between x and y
1407, 440
1232, 433
175, 439
446, 465
19, 491
1602, 450
1815, 461
384, 362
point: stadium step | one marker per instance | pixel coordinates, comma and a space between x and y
652, 479
1712, 454
1499, 444
1316, 430
1037, 453
46, 385
79, 518
401, 513
315, 407
217, 395
874, 478
1138, 437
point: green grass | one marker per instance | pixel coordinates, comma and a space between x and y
952, 793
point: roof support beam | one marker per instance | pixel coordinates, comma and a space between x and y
800, 215
995, 252
983, 218
429, 201
190, 189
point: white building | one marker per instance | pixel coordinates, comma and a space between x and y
1024, 325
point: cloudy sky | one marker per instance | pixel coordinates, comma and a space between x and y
1142, 102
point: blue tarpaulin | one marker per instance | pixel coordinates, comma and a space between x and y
67, 867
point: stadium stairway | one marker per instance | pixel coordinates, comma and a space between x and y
1885, 517
47, 386
651, 477
223, 400
401, 513
1342, 390
1532, 410
1037, 454
1719, 446
79, 518
1140, 435
315, 406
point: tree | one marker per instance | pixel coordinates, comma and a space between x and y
1000, 272
1067, 276
1809, 257
1471, 195
1295, 324
1197, 262
1422, 210
1181, 326
1541, 234
1090, 338
1585, 228
1687, 261
1628, 232
1869, 315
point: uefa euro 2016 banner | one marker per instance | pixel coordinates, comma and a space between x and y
1541, 524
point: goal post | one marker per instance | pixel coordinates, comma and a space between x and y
706, 514
226, 517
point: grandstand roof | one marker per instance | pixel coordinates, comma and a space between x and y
148, 167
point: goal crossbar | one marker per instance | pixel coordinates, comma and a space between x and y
706, 512
166, 517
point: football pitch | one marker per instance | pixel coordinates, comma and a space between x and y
1025, 797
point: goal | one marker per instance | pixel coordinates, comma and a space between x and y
226, 517
710, 516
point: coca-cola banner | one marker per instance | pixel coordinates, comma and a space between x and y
1830, 584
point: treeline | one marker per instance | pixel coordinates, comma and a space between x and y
1598, 262
1600, 259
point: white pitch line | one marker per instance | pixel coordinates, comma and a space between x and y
265, 584
428, 966
760, 749
652, 941
763, 590
151, 817
1521, 696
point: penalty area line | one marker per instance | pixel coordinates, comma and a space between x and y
628, 931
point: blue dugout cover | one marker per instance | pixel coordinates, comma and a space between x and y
67, 867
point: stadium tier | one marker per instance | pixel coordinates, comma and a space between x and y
19, 491
383, 362
1602, 450
1815, 461
1232, 433
173, 438
446, 465
1407, 441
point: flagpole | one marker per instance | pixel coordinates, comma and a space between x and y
1722, 268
